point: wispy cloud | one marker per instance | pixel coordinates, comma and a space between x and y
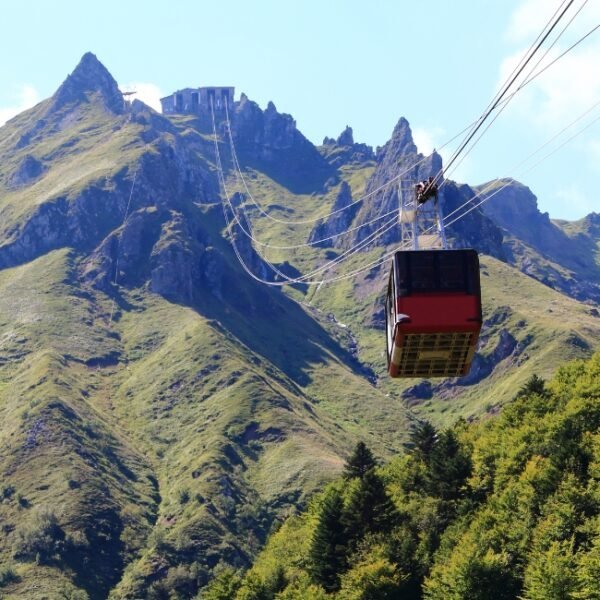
148, 93
430, 139
574, 199
23, 99
427, 139
569, 86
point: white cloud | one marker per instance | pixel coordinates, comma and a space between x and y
563, 92
572, 84
428, 140
25, 98
425, 139
574, 200
531, 16
148, 93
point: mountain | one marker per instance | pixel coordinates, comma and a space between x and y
558, 253
162, 410
159, 407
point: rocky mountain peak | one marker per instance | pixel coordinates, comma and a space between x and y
90, 76
346, 138
515, 204
344, 150
592, 223
272, 139
402, 137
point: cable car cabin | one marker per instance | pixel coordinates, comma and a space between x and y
433, 313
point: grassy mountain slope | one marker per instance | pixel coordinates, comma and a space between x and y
160, 409
528, 326
507, 508
170, 419
163, 426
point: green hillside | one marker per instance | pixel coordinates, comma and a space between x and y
163, 426
161, 412
528, 326
508, 508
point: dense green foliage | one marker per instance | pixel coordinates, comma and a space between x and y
504, 509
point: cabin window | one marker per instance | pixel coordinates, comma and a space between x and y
422, 271
452, 271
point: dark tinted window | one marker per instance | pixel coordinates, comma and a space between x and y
437, 270
422, 271
452, 271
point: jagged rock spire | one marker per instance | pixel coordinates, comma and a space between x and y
90, 75
346, 138
402, 138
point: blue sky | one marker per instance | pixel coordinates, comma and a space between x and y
332, 63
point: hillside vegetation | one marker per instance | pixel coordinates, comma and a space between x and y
162, 412
507, 508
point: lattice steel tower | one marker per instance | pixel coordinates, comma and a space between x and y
421, 223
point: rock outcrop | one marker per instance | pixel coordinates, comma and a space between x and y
271, 139
29, 169
344, 150
327, 233
561, 256
89, 77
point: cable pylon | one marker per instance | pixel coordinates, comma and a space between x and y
421, 224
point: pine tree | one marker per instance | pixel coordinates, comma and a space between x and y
360, 462
423, 438
534, 385
328, 545
449, 466
369, 508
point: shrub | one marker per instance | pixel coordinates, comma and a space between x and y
41, 538
7, 575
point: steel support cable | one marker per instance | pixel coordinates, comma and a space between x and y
528, 81
530, 51
504, 88
385, 256
528, 157
533, 166
500, 95
417, 163
288, 280
236, 219
503, 105
125, 215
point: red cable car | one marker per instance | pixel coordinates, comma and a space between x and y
433, 313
